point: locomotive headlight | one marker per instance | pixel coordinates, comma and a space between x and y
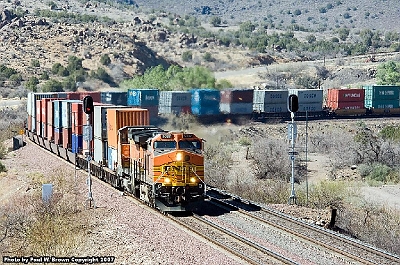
193, 180
179, 156
167, 180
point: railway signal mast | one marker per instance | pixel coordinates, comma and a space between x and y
87, 136
293, 106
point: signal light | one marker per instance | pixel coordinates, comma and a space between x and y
88, 105
293, 103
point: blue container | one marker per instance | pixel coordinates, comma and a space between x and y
143, 97
205, 110
115, 98
205, 101
76, 143
57, 117
205, 97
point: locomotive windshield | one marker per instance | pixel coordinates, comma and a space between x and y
189, 144
164, 145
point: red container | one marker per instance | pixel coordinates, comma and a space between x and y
44, 107
50, 132
81, 95
237, 96
38, 114
187, 109
58, 137
345, 95
29, 123
67, 138
77, 117
334, 105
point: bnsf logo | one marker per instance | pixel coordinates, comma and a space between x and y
149, 97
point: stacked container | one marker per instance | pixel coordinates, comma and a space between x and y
31, 106
57, 121
118, 118
146, 99
100, 132
77, 126
310, 100
382, 98
174, 102
114, 98
346, 101
270, 101
96, 95
236, 101
66, 122
205, 101
46, 132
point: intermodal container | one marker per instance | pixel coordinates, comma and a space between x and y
175, 98
58, 137
100, 151
114, 98
143, 97
176, 110
345, 95
382, 104
100, 120
380, 93
57, 114
118, 118
201, 98
77, 117
236, 108
275, 96
335, 105
38, 117
66, 113
310, 107
270, 108
112, 158
29, 123
308, 95
96, 95
237, 96
45, 110
76, 143
50, 132
66, 138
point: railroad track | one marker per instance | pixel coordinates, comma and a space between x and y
336, 243
232, 242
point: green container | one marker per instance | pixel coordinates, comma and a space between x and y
377, 96
382, 104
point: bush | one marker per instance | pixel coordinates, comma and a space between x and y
35, 63
31, 84
105, 59
187, 56
2, 168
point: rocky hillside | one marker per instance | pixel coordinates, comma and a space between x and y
136, 38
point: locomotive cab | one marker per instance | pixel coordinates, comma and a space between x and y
178, 170
167, 168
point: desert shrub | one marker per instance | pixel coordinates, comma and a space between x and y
270, 158
35, 63
2, 167
377, 225
328, 193
187, 56
208, 57
218, 161
105, 59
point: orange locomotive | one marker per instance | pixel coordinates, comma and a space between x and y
164, 169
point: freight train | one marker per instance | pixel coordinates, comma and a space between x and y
163, 169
